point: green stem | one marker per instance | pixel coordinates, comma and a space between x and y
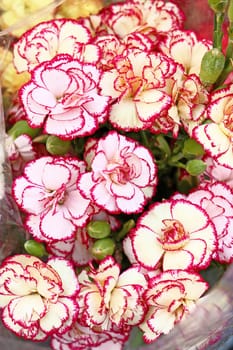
218, 33
125, 229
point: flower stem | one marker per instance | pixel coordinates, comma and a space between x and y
218, 33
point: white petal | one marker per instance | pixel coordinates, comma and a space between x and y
67, 275
146, 248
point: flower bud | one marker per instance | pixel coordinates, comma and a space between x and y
102, 248
21, 127
35, 248
56, 146
212, 66
98, 229
218, 5
195, 167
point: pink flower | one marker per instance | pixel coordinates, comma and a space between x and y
83, 338
76, 249
216, 137
217, 200
62, 97
19, 152
109, 298
37, 298
137, 87
170, 296
142, 16
48, 39
123, 175
216, 172
48, 194
176, 233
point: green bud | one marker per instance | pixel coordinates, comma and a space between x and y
56, 146
103, 247
192, 149
218, 5
195, 167
35, 248
212, 66
21, 127
98, 229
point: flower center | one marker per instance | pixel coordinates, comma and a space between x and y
123, 170
119, 174
55, 197
174, 235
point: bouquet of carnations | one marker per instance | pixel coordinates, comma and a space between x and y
119, 129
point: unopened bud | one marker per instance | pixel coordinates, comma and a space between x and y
195, 167
103, 247
35, 248
56, 146
98, 229
212, 66
22, 127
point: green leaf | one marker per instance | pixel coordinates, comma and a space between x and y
192, 149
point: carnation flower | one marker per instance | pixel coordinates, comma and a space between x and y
19, 151
109, 298
111, 46
217, 200
48, 194
76, 249
123, 175
70, 108
48, 39
37, 298
216, 172
189, 100
141, 16
81, 338
216, 137
170, 296
137, 85
166, 234
186, 49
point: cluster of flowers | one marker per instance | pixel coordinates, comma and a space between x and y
93, 129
